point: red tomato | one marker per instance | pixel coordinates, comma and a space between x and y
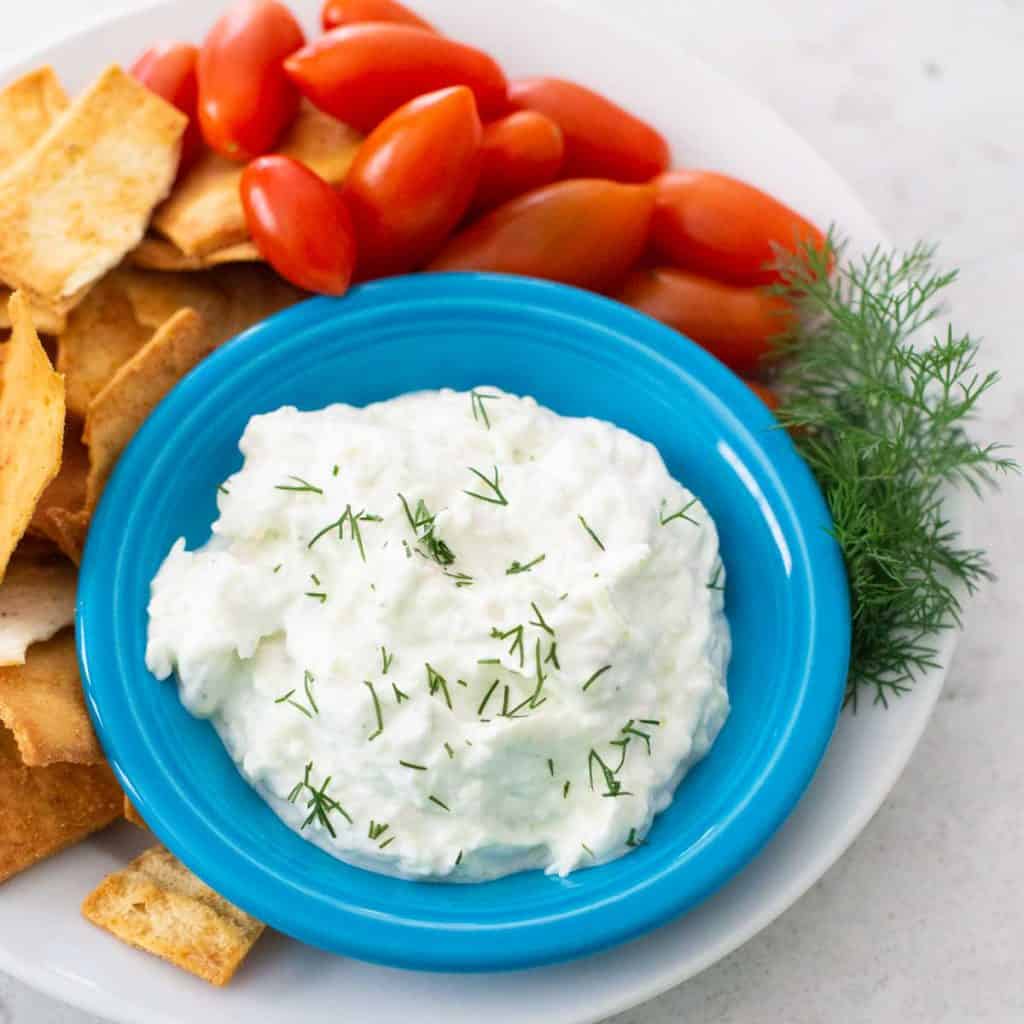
716, 225
601, 139
412, 180
763, 392
585, 232
299, 224
169, 70
245, 98
350, 12
520, 152
362, 73
733, 323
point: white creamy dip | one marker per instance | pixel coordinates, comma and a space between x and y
515, 677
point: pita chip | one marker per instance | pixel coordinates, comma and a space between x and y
80, 199
46, 320
135, 390
132, 815
31, 427
154, 253
156, 904
41, 703
44, 810
28, 106
67, 489
67, 530
204, 212
37, 600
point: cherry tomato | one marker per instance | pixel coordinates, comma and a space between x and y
763, 392
412, 179
733, 323
585, 232
716, 225
362, 73
169, 70
601, 139
299, 223
520, 152
245, 98
350, 12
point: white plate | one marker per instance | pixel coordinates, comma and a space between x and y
44, 941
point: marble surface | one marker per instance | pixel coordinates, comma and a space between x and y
921, 104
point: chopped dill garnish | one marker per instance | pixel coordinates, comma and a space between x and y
589, 850
440, 803
387, 842
487, 697
551, 767
323, 806
416, 767
353, 519
517, 567
458, 860
307, 682
534, 700
539, 622
377, 829
612, 783
552, 655
461, 578
565, 789
286, 698
495, 497
222, 489
462, 682
386, 659
629, 729
476, 401
437, 683
376, 709
488, 661
299, 485
422, 524
400, 695
517, 632
593, 536
448, 750
631, 839
277, 568
713, 583
597, 675
334, 470
317, 595
316, 579
649, 721
681, 514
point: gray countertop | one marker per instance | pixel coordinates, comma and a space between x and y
921, 105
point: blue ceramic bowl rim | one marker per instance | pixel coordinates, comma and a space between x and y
283, 902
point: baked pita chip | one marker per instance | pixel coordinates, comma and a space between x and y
43, 810
132, 815
155, 297
204, 212
156, 904
154, 253
46, 320
67, 489
31, 427
67, 530
41, 702
37, 599
135, 390
80, 199
28, 106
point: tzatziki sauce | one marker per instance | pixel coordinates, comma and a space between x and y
452, 635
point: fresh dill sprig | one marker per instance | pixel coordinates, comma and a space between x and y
377, 829
494, 486
448, 749
594, 678
458, 860
552, 655
376, 711
588, 850
422, 524
632, 840
353, 519
539, 621
286, 698
613, 787
487, 697
413, 765
387, 842
317, 595
551, 767
222, 489
461, 579
400, 695
517, 643
565, 789
593, 536
879, 412
385, 659
681, 514
476, 401
715, 582
299, 485
440, 803
518, 567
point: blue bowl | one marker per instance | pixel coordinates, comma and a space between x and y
786, 602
